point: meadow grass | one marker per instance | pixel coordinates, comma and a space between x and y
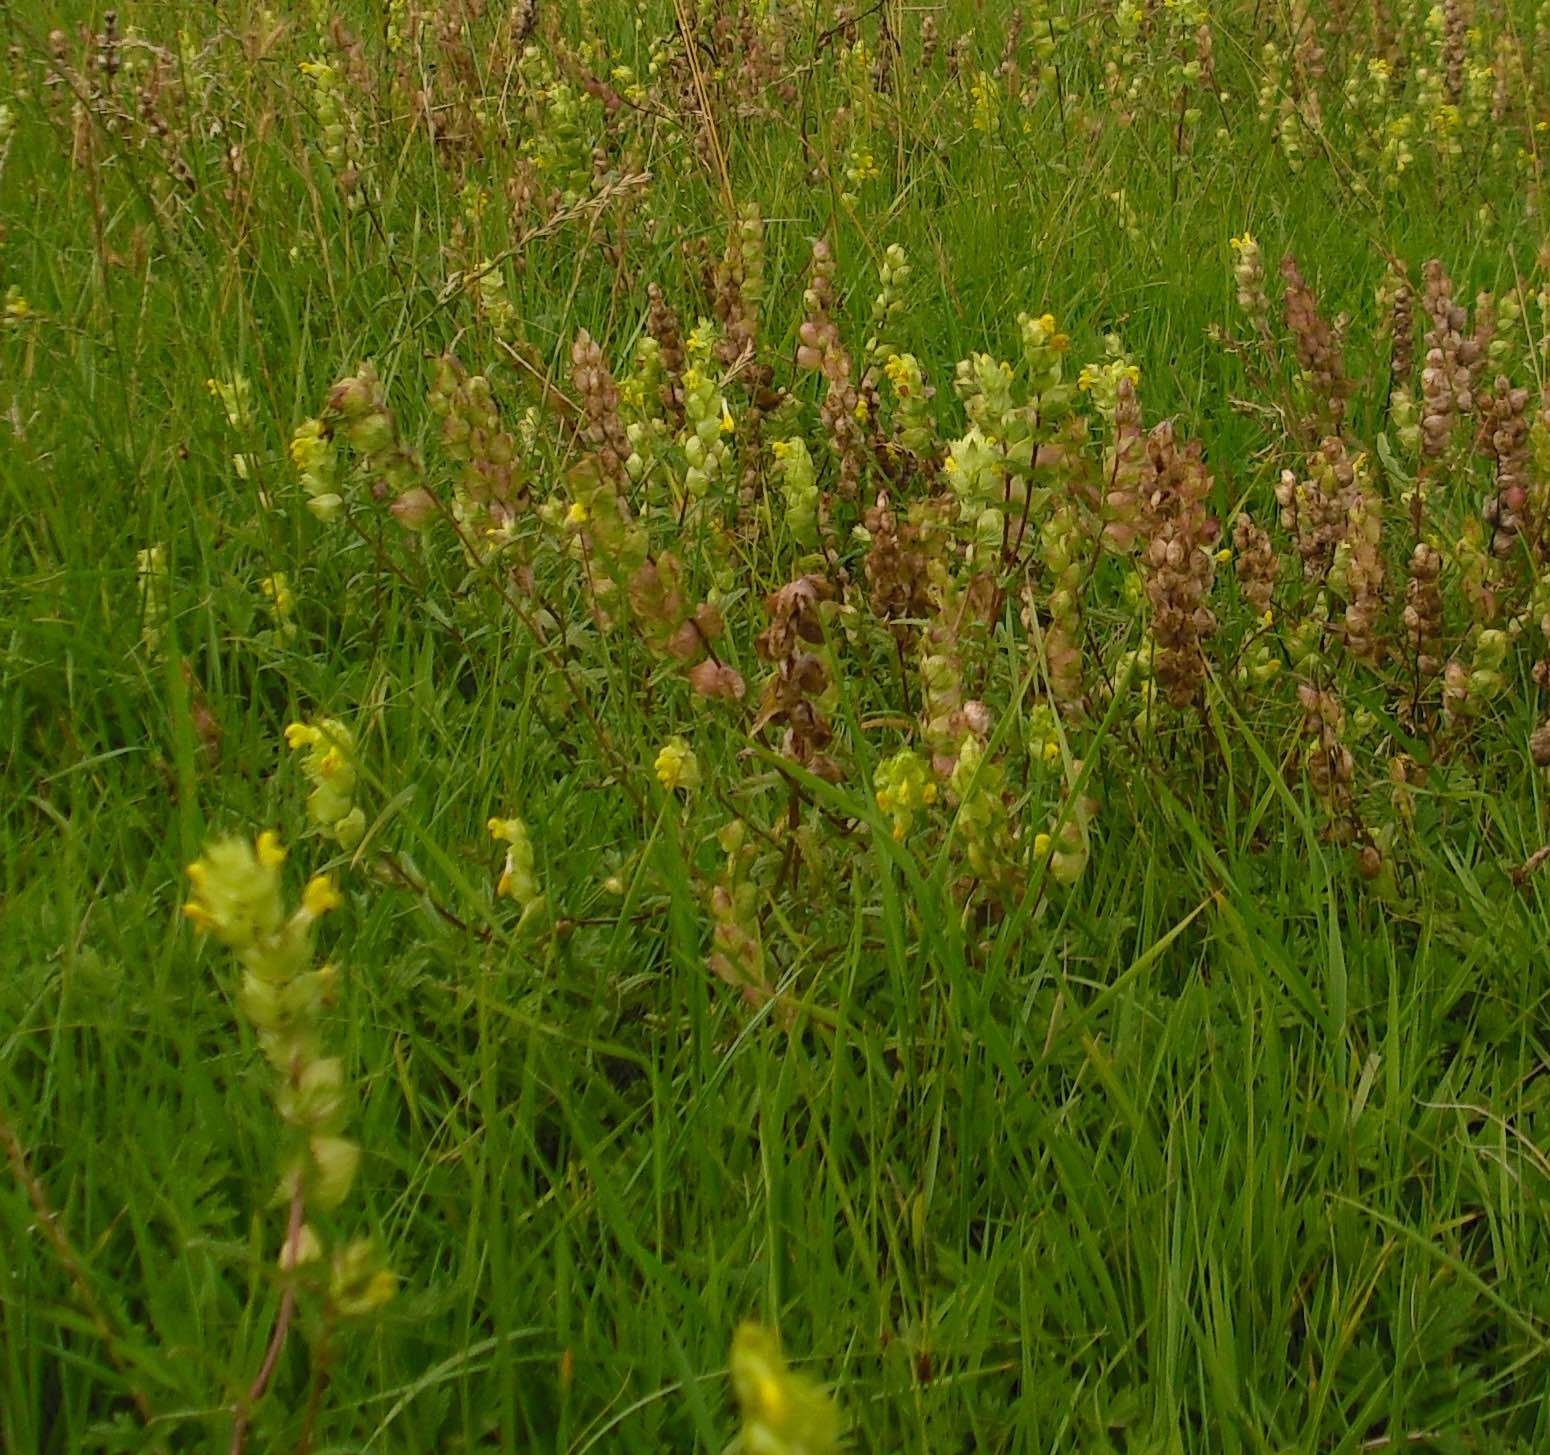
1218, 1148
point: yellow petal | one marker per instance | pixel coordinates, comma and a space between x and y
320, 895
270, 851
199, 915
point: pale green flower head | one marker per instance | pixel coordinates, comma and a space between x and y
904, 786
518, 880
676, 766
236, 894
327, 747
360, 1284
784, 1413
235, 395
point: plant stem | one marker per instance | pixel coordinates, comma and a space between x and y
282, 1327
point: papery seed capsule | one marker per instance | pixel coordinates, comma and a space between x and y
1539, 745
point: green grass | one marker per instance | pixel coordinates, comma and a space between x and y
1218, 1150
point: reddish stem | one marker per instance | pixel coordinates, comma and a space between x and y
282, 1327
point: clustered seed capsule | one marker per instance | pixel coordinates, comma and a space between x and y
1255, 564
1505, 426
1423, 607
662, 325
1446, 390
1317, 348
604, 430
1331, 765
1178, 563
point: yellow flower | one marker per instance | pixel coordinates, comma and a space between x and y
270, 851
676, 766
329, 766
379, 1290
902, 786
518, 880
278, 589
359, 1284
196, 913
320, 896
864, 168
578, 514
233, 394
306, 1248
309, 447
237, 891
784, 1413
